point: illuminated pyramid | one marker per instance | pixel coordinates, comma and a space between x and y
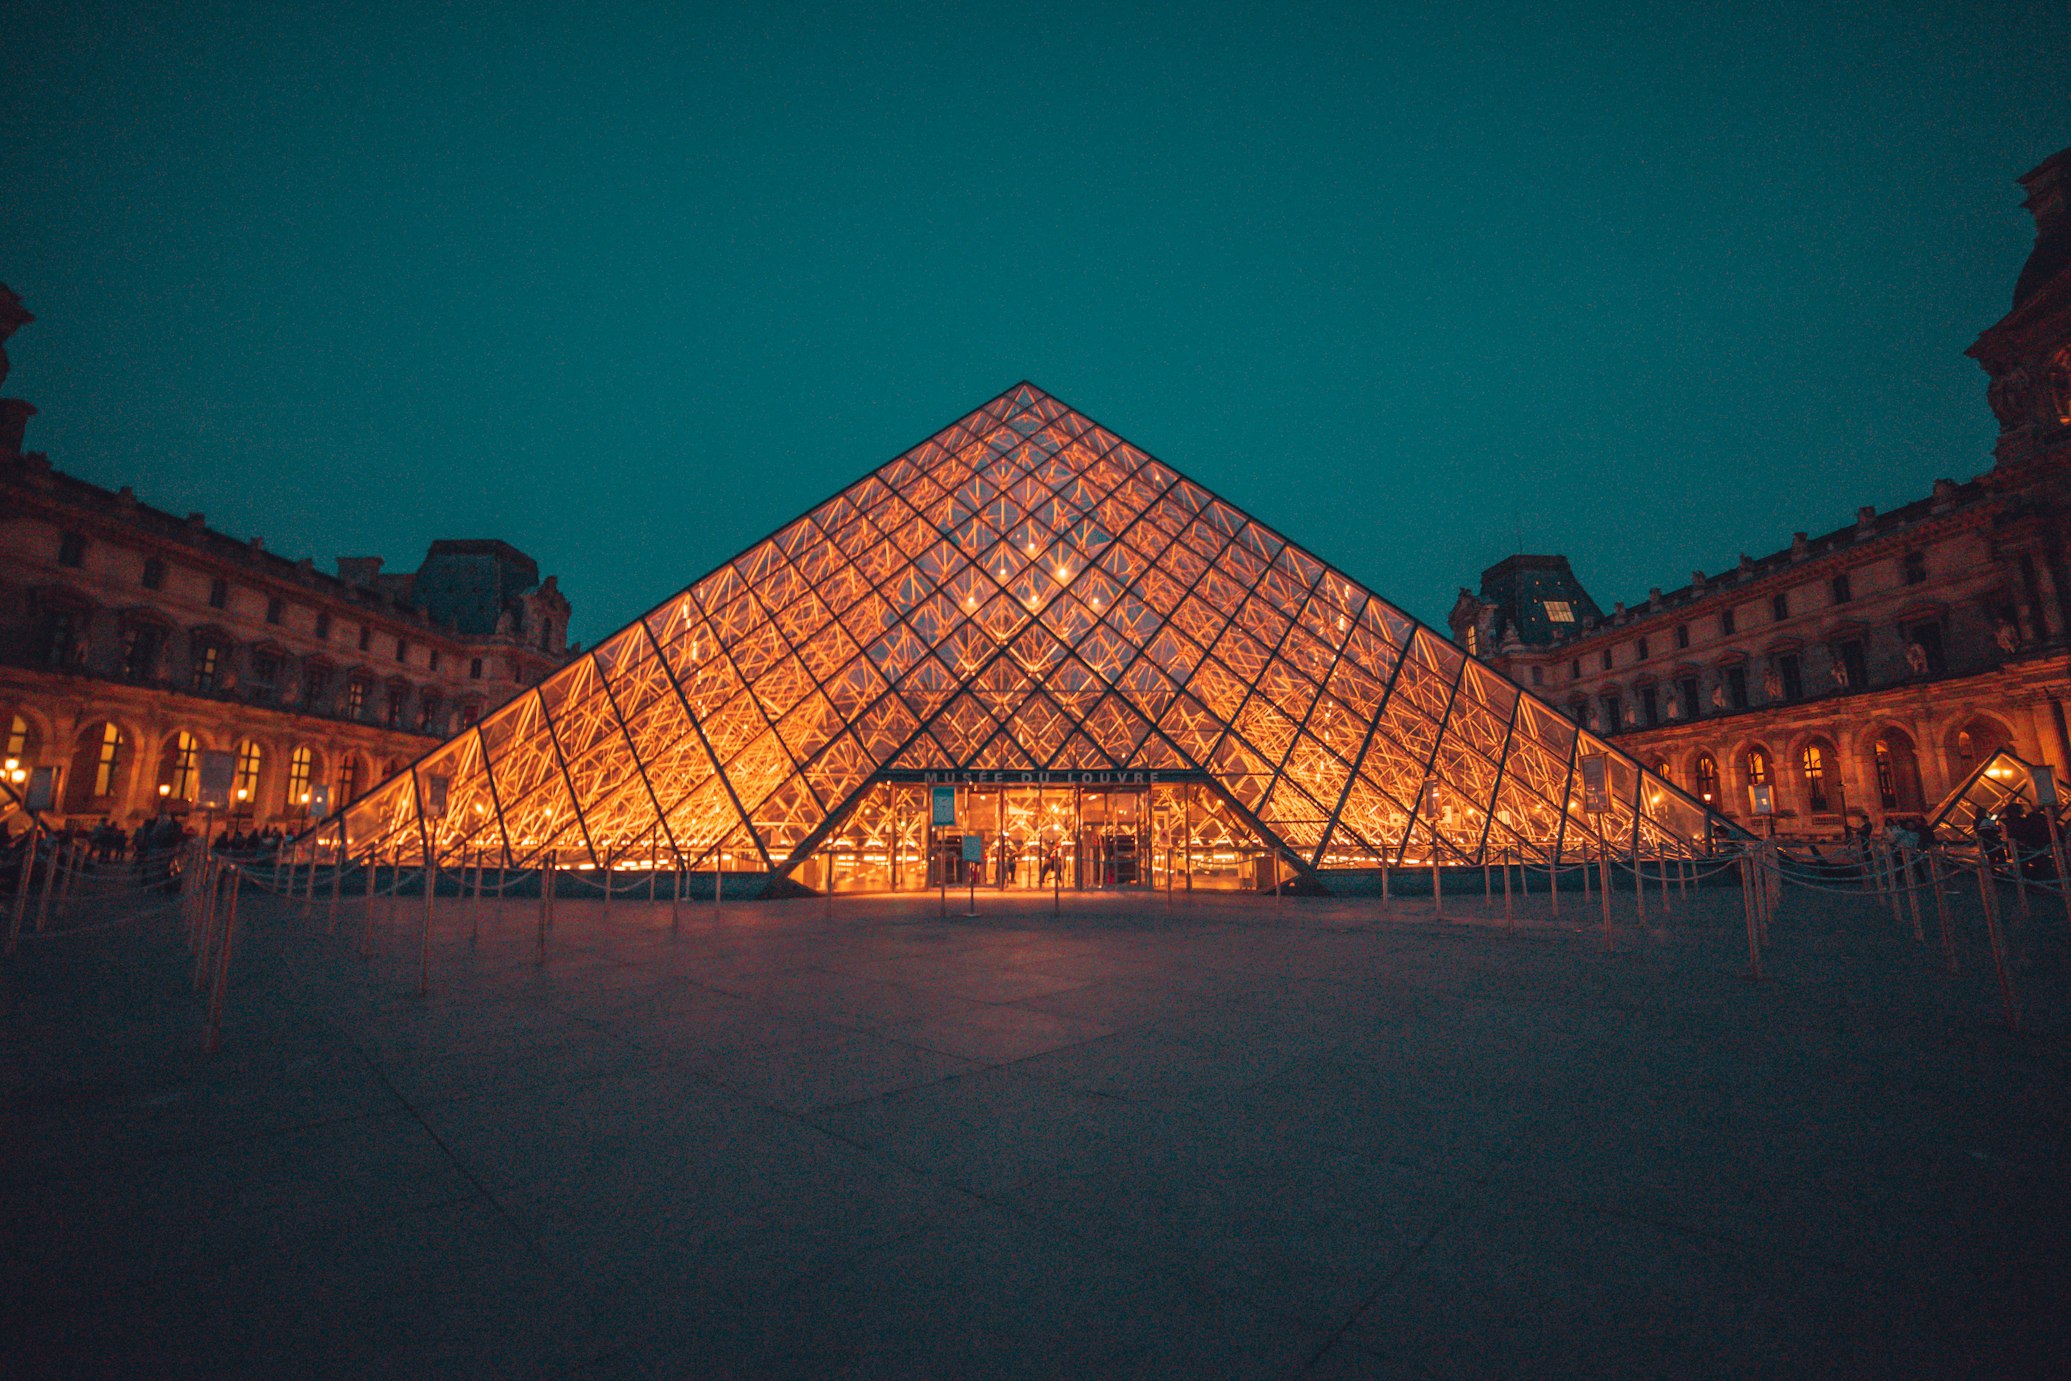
1023, 598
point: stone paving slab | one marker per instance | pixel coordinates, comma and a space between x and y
1218, 1137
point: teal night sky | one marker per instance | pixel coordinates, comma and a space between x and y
1648, 284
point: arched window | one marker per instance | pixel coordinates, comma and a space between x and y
17, 739
348, 780
301, 768
1707, 777
1814, 763
179, 768
244, 789
98, 763
1757, 767
1661, 769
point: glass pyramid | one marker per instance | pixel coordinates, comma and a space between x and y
1996, 783
1026, 594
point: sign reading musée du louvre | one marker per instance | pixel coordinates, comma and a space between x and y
1022, 600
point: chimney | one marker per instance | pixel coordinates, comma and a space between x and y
359, 570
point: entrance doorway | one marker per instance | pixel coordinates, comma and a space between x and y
1177, 835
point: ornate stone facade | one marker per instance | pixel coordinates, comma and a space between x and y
132, 641
1864, 672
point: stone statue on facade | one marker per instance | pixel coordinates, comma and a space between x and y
14, 413
2007, 636
1718, 697
1772, 684
1916, 658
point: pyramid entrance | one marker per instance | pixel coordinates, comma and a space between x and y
1039, 831
1126, 680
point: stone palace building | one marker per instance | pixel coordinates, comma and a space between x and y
1866, 671
132, 641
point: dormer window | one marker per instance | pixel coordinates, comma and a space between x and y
1559, 611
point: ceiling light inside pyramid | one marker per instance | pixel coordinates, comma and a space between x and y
1024, 653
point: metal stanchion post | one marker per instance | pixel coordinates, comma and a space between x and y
676, 898
1639, 886
1509, 919
1941, 910
50, 872
1553, 881
222, 976
2056, 859
431, 890
1987, 890
1384, 885
21, 888
1437, 887
1912, 894
546, 900
1603, 863
367, 925
337, 883
1747, 910
210, 906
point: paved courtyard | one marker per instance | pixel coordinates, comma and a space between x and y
1218, 1138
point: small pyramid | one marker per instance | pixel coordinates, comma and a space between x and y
1023, 592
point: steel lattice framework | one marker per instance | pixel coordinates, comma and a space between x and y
1023, 591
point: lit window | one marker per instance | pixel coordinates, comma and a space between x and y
301, 767
208, 665
1559, 611
178, 775
108, 762
1473, 641
244, 789
1814, 764
1707, 777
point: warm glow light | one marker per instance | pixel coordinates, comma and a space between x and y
164, 790
834, 669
